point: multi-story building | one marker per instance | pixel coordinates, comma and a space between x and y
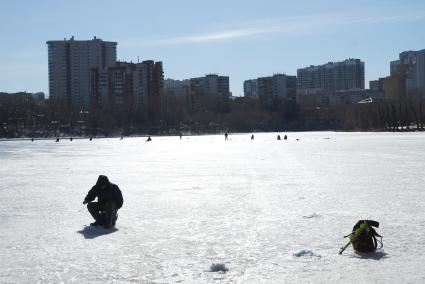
267, 89
411, 65
175, 98
250, 88
330, 79
395, 87
209, 92
270, 88
149, 87
377, 85
333, 76
177, 87
281, 86
128, 86
70, 68
121, 93
291, 85
176, 84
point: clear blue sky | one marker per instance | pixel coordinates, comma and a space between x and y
242, 39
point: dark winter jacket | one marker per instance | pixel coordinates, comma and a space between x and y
105, 191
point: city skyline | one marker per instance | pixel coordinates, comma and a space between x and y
241, 40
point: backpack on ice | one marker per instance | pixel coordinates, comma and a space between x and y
364, 237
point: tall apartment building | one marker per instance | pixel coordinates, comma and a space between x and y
209, 92
269, 88
128, 86
179, 88
121, 87
176, 84
250, 88
333, 76
411, 65
377, 85
70, 64
150, 84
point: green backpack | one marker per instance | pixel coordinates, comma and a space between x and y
364, 237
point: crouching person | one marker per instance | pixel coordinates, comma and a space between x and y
109, 200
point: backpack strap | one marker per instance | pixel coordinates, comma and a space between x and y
374, 234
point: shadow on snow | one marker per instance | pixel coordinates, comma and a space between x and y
90, 232
371, 255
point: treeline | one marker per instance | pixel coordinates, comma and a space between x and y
384, 115
23, 116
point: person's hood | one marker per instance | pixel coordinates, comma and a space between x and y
102, 180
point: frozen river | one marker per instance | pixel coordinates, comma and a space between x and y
271, 211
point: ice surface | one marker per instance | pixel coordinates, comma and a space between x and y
270, 211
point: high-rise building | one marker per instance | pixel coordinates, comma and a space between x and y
291, 85
411, 65
177, 88
209, 92
281, 86
128, 86
270, 88
377, 85
333, 76
121, 93
250, 88
394, 87
149, 88
70, 68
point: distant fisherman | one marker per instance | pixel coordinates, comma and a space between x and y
252, 137
149, 139
278, 137
226, 136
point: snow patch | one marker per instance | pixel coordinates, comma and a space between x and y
306, 253
218, 267
314, 215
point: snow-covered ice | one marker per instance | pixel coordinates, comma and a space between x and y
270, 211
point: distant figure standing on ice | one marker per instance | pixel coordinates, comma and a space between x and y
226, 136
278, 137
285, 137
57, 139
149, 139
252, 137
109, 200
181, 136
